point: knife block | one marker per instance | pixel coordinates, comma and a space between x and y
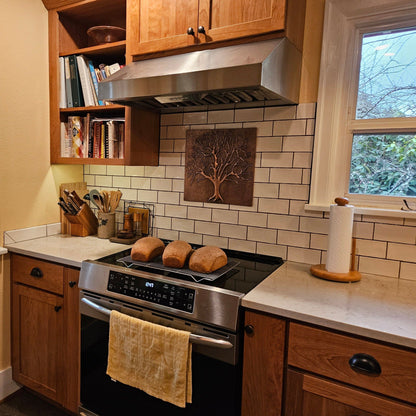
82, 224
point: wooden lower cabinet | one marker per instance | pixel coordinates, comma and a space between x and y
264, 347
308, 395
45, 330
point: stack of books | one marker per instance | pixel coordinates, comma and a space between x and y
79, 81
102, 138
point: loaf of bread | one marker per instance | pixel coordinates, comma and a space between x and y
147, 248
176, 254
207, 259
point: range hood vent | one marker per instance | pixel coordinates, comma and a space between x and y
250, 74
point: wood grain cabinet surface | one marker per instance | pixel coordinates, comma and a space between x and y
264, 346
45, 329
163, 25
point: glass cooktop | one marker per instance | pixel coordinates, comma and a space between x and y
243, 272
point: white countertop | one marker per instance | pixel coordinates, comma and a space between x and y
378, 307
67, 249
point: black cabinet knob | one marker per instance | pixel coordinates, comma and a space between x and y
249, 329
201, 29
36, 272
72, 283
365, 364
190, 31
58, 308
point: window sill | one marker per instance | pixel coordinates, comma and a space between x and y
377, 212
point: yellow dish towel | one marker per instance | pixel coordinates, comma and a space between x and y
150, 357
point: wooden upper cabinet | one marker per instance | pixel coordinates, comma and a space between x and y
158, 25
162, 25
231, 19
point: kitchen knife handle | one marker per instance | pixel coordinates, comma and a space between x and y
365, 364
36, 272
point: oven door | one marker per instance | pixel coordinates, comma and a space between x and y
216, 385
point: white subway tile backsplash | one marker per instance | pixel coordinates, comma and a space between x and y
403, 252
249, 114
289, 128
121, 182
293, 238
135, 171
252, 218
203, 214
115, 170
306, 110
225, 216
207, 228
302, 255
161, 184
371, 248
272, 250
222, 116
276, 160
276, 223
294, 191
266, 190
269, 144
242, 245
262, 235
264, 128
379, 266
141, 183
283, 222
171, 119
280, 113
274, 206
286, 175
210, 240
233, 231
102, 180
394, 233
408, 271
176, 211
200, 117
147, 196
181, 224
168, 197
297, 143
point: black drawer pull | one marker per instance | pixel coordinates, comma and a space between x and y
57, 308
72, 283
365, 364
249, 329
36, 272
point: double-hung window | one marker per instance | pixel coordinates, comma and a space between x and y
365, 144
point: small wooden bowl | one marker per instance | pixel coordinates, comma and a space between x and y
106, 34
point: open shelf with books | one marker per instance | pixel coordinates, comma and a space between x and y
77, 64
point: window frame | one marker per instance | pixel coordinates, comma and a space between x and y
344, 24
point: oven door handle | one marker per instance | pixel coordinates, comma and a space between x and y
195, 339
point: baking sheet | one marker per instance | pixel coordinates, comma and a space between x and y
196, 276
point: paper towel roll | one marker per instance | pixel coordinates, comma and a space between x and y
339, 238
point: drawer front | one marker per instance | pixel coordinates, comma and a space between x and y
38, 273
329, 354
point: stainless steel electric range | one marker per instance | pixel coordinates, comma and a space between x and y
208, 306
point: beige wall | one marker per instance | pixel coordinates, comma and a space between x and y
28, 185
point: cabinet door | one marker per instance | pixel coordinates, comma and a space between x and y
231, 19
159, 25
308, 395
264, 343
37, 331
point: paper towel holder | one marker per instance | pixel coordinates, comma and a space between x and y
319, 270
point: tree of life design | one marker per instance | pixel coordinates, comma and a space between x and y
224, 159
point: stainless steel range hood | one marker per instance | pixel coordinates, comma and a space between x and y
248, 74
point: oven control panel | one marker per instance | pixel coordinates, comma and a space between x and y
166, 294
